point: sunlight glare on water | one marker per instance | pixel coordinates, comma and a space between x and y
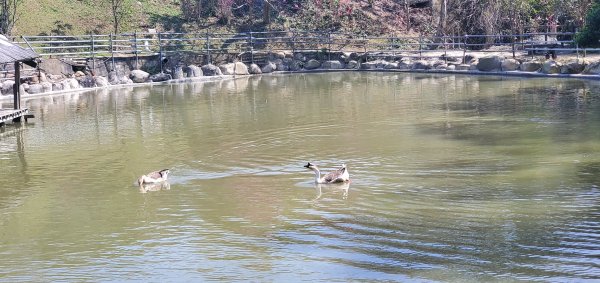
454, 178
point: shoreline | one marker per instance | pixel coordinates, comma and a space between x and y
517, 74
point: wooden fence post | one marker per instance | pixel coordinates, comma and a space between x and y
17, 87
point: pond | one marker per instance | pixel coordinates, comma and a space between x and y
454, 178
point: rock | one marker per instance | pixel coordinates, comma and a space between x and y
451, 67
79, 74
592, 68
489, 63
139, 76
510, 65
101, 81
404, 64
531, 66
178, 72
463, 67
369, 65
43, 77
269, 67
574, 66
47, 86
193, 71
113, 79
352, 64
312, 64
421, 65
7, 87
441, 67
333, 64
280, 66
73, 83
391, 65
296, 65
211, 70
551, 67
255, 69
241, 69
35, 88
160, 77
237, 68
300, 57
66, 85
86, 81
125, 80
57, 86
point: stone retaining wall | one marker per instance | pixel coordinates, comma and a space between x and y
57, 75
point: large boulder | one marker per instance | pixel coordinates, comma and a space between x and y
86, 81
372, 65
352, 64
211, 70
46, 86
269, 67
178, 72
139, 76
574, 66
530, 66
421, 65
35, 88
101, 81
592, 68
255, 69
510, 65
7, 87
312, 64
241, 69
160, 77
193, 71
551, 67
489, 63
296, 65
333, 64
391, 65
57, 86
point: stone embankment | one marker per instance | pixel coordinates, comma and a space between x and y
44, 82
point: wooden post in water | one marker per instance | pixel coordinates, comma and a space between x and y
17, 87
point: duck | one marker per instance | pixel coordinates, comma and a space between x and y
154, 177
337, 176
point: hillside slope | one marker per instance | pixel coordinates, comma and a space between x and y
69, 17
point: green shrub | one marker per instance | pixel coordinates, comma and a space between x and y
590, 35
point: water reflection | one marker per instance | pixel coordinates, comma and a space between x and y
456, 178
333, 188
153, 187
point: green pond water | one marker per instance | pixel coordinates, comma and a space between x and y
454, 178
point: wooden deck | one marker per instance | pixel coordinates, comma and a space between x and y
11, 114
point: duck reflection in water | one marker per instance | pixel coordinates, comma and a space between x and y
335, 187
153, 187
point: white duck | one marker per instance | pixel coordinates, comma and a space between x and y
337, 176
154, 177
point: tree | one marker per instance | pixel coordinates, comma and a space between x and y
590, 35
120, 10
8, 15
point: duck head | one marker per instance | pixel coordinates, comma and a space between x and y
310, 166
164, 173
